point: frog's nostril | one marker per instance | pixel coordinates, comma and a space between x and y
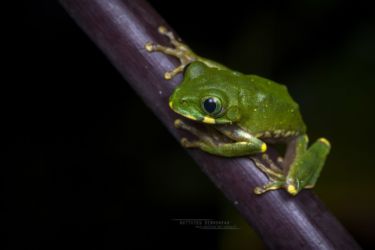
184, 101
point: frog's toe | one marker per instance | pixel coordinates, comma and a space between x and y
259, 190
162, 29
168, 76
178, 123
149, 46
280, 159
268, 187
186, 143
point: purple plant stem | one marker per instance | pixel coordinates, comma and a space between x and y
120, 28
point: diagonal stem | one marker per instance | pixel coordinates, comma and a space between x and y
121, 28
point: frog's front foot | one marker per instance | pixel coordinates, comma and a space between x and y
180, 50
186, 143
204, 138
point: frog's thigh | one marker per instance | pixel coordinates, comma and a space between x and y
307, 164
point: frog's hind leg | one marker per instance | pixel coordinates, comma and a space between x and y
271, 164
307, 163
277, 178
272, 173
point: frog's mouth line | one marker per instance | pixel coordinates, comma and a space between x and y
204, 119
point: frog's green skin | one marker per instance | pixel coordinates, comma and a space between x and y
250, 111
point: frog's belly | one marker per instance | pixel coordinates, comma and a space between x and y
276, 135
276, 127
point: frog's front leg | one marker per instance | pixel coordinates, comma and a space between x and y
244, 143
180, 51
204, 138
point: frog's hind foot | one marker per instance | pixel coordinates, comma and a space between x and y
272, 172
271, 164
180, 50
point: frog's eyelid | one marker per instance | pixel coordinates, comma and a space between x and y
185, 68
210, 88
222, 108
214, 92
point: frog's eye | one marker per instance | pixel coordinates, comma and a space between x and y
211, 105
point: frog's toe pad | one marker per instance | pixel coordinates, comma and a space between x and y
168, 75
188, 144
178, 123
162, 29
259, 190
324, 141
149, 46
292, 190
184, 141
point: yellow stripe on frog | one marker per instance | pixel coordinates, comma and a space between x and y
209, 120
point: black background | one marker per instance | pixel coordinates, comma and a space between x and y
87, 165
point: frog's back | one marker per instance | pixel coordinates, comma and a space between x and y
269, 110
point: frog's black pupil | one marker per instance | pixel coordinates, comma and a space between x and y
210, 105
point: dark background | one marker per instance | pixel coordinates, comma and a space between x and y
86, 164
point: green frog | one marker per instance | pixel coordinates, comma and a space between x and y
249, 112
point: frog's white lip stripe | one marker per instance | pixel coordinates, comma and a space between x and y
186, 115
190, 117
205, 119
209, 120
